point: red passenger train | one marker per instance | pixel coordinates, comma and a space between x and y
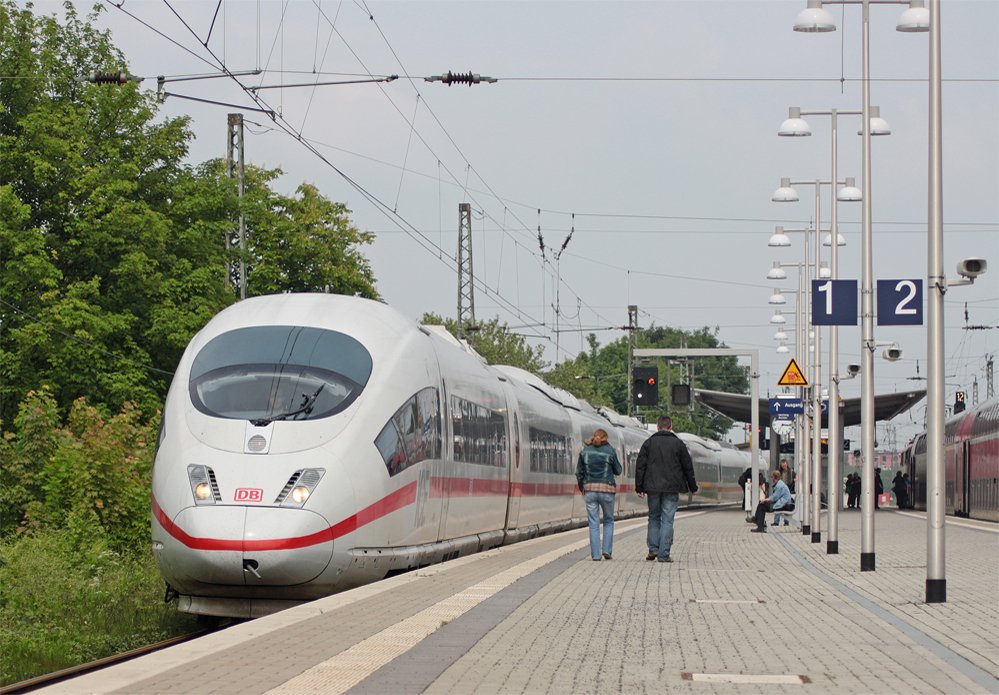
971, 460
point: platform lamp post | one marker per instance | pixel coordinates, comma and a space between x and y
796, 126
803, 426
787, 194
816, 19
936, 582
780, 239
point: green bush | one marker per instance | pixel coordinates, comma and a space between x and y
77, 578
62, 604
90, 477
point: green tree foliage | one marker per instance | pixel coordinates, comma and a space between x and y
497, 345
88, 476
302, 243
113, 248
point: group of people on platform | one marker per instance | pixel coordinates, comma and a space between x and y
663, 470
900, 485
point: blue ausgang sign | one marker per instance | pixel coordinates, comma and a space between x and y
900, 302
789, 406
834, 302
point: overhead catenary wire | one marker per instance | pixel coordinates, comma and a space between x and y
374, 200
503, 225
469, 167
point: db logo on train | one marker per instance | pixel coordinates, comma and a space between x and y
249, 494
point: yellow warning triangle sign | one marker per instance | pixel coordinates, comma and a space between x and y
792, 376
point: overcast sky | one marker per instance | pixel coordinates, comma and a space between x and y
647, 130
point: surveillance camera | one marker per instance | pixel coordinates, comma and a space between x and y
893, 353
853, 369
971, 268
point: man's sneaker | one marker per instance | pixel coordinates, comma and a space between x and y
758, 529
651, 555
669, 559
607, 556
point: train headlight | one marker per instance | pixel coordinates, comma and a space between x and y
300, 487
204, 487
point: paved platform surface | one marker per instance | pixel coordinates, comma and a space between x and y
737, 612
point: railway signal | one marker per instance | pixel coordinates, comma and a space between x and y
645, 381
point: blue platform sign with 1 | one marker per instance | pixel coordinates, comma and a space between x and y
834, 302
900, 302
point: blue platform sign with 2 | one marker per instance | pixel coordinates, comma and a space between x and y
834, 302
900, 302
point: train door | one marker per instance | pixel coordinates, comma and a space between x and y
964, 484
516, 472
445, 470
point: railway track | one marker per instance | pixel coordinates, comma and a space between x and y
31, 684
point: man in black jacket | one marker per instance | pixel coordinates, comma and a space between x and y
663, 471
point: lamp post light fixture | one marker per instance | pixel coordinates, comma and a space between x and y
815, 18
776, 272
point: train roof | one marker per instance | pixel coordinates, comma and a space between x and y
308, 309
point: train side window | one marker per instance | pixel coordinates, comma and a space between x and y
549, 452
479, 433
389, 445
413, 434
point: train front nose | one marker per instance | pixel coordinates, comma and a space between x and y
266, 546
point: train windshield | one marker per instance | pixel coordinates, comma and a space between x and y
267, 373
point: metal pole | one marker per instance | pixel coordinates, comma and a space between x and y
466, 275
817, 388
867, 345
235, 168
754, 417
835, 436
632, 328
806, 477
242, 215
936, 582
800, 436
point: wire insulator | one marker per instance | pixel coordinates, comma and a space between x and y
468, 78
119, 77
459, 78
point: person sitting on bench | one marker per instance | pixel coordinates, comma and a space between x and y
780, 498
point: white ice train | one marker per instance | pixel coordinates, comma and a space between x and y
315, 442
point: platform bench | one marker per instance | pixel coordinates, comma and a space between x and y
787, 514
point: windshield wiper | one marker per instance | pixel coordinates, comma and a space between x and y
308, 403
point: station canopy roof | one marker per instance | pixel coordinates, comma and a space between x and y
738, 406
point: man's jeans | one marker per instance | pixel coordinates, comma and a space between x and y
595, 502
662, 509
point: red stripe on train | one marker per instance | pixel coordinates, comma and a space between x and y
403, 497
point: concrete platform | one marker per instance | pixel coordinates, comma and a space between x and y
737, 612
